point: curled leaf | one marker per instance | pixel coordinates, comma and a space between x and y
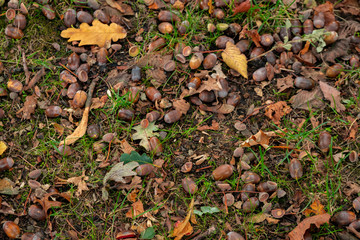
234, 59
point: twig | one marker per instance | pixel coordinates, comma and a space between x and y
198, 170
225, 202
241, 191
26, 69
107, 157
67, 69
210, 51
27, 199
35, 79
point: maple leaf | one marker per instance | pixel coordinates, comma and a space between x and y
144, 134
117, 173
234, 59
97, 34
316, 207
3, 147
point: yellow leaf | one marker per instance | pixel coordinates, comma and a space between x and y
3, 147
97, 34
234, 59
184, 227
316, 207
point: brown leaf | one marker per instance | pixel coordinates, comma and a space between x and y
354, 127
333, 95
307, 100
126, 147
80, 183
285, 83
122, 7
214, 126
184, 227
277, 110
8, 187
97, 34
157, 76
181, 105
47, 204
338, 49
242, 7
223, 108
255, 37
211, 84
259, 138
235, 59
29, 107
299, 231
136, 209
316, 207
349, 7
58, 128
97, 103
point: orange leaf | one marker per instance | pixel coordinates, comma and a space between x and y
136, 209
184, 227
306, 48
211, 7
299, 231
316, 207
277, 110
242, 7
254, 35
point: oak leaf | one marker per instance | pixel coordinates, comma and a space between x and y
276, 111
80, 183
144, 134
97, 34
234, 59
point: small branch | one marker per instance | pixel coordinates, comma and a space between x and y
26, 69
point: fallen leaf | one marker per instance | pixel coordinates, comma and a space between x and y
351, 188
144, 134
254, 35
214, 126
333, 95
137, 208
29, 107
47, 204
339, 48
211, 84
97, 34
122, 7
349, 7
58, 128
308, 99
218, 72
258, 218
258, 92
299, 231
242, 7
97, 103
135, 157
80, 182
262, 138
292, 4
316, 207
234, 59
354, 127
285, 83
126, 147
117, 174
8, 187
156, 76
276, 111
3, 147
184, 227
181, 105
223, 108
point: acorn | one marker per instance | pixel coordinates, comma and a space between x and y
354, 156
250, 205
73, 88
218, 13
222, 40
53, 111
155, 146
196, 60
222, 172
67, 77
225, 88
304, 83
144, 169
234, 236
36, 212
228, 199
260, 74
126, 114
186, 167
6, 163
73, 61
238, 152
183, 27
167, 16
101, 56
102, 16
14, 85
93, 131
3, 92
268, 186
332, 26
153, 94
354, 61
189, 185
308, 26
319, 19
84, 17
134, 94
153, 116
222, 3
82, 75
172, 116
297, 66
257, 51
2, 113
250, 177
266, 40
271, 58
64, 150
234, 29
195, 100
79, 99
334, 70
324, 141
194, 82
210, 61
180, 57
13, 32
248, 188
295, 169
20, 21
278, 213
70, 18
297, 45
243, 45
157, 44
285, 33
343, 218
296, 27
207, 96
109, 137
233, 99
11, 229
165, 27
48, 12
331, 37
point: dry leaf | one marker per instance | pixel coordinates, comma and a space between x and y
242, 7
214, 126
338, 49
307, 100
262, 138
80, 183
137, 208
122, 7
3, 147
97, 103
351, 188
349, 7
299, 231
8, 187
258, 218
316, 207
126, 147
285, 83
223, 108
29, 107
144, 134
184, 227
354, 127
181, 105
97, 34
276, 111
47, 204
333, 95
234, 59
254, 35
210, 85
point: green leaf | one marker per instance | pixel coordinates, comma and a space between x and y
135, 157
144, 134
197, 212
210, 210
287, 24
149, 233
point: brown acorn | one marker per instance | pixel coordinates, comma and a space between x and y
153, 94
155, 146
172, 116
343, 218
165, 27
319, 19
238, 152
295, 169
53, 111
207, 96
109, 137
247, 189
271, 58
48, 12
157, 44
209, 61
134, 94
153, 116
84, 17
167, 16
324, 141
233, 99
260, 74
234, 29
102, 16
331, 37
2, 113
70, 18
20, 21
204, 4
219, 13
297, 45
195, 100
126, 114
79, 99
186, 51
250, 177
11, 229
250, 205
222, 172
144, 169
194, 82
243, 45
64, 150
13, 32
73, 88
354, 61
332, 26
222, 40
196, 60
67, 77
36, 212
296, 27
334, 70
93, 131
189, 185
82, 75
297, 66
268, 186
101, 56
234, 236
73, 61
6, 163
183, 27
225, 88
256, 52
228, 199
266, 40
14, 85
308, 26
304, 83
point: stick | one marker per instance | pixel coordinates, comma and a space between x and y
35, 79
26, 69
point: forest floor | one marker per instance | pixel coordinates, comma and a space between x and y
90, 150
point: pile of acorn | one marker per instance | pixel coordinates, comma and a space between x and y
16, 14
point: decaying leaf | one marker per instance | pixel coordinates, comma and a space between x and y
299, 231
126, 147
137, 208
181, 105
307, 99
333, 95
242, 7
3, 147
339, 49
234, 59
262, 138
277, 110
144, 134
117, 173
316, 207
354, 127
214, 126
211, 84
80, 182
8, 187
254, 35
285, 83
349, 7
122, 7
222, 109
184, 227
47, 204
29, 107
97, 34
